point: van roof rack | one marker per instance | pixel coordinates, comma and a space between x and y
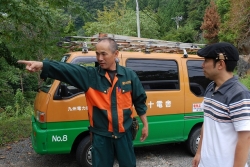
128, 43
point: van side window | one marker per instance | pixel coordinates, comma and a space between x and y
156, 74
197, 80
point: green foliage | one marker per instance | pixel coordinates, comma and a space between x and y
196, 10
70, 28
19, 107
14, 129
183, 34
226, 33
31, 29
8, 77
223, 7
246, 81
168, 10
113, 21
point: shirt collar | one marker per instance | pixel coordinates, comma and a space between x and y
226, 85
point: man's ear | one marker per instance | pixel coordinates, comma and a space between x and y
116, 53
116, 56
222, 64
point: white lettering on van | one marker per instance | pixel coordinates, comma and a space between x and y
78, 108
71, 108
168, 103
56, 138
84, 107
150, 104
159, 104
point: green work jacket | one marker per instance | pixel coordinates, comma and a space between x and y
110, 104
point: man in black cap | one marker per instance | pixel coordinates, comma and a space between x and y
225, 134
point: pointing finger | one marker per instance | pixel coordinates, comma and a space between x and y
23, 62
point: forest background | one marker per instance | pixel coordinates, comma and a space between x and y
30, 29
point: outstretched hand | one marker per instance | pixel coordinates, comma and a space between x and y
32, 66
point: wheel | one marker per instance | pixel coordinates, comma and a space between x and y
193, 140
83, 152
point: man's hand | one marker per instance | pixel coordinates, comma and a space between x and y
197, 156
32, 66
144, 132
242, 149
196, 160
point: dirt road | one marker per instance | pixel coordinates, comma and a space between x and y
21, 154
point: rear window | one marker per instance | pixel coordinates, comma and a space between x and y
156, 74
197, 81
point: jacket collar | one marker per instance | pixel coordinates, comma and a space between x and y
120, 70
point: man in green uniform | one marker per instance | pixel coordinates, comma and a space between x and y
111, 92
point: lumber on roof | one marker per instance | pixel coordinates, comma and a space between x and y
129, 43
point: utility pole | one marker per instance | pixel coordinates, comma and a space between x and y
138, 20
177, 19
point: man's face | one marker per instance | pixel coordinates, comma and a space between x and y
105, 57
210, 71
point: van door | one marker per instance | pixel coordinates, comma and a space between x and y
67, 114
194, 92
163, 81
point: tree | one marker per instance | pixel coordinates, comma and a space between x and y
183, 34
28, 30
223, 7
122, 22
239, 22
169, 10
211, 23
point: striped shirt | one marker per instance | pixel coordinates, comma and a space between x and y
226, 111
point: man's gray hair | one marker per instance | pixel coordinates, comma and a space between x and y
112, 43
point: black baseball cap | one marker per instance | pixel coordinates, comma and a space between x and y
220, 51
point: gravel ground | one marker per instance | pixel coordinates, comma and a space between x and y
21, 154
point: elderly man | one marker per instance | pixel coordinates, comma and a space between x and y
111, 92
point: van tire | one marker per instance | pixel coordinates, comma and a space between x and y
193, 140
83, 152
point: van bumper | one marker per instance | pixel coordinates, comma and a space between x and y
38, 137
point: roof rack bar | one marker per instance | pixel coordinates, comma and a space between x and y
129, 43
